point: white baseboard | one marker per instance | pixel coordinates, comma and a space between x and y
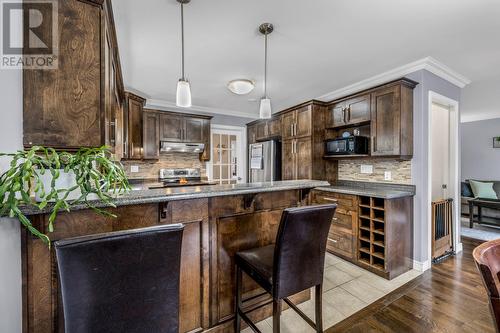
459, 248
421, 266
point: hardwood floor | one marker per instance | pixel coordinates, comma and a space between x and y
448, 298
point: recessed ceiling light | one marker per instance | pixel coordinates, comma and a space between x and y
241, 86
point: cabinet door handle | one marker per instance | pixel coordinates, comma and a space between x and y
334, 219
348, 112
334, 240
295, 129
330, 199
291, 129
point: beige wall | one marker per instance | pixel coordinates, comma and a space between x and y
150, 169
351, 170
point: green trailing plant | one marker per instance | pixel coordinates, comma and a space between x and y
497, 138
95, 173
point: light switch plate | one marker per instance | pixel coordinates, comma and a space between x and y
365, 168
134, 168
388, 175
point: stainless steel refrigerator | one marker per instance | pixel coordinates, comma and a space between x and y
264, 161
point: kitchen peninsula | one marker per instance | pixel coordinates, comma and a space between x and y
219, 221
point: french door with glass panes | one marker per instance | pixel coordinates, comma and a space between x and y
227, 153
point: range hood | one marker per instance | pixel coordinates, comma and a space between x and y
177, 147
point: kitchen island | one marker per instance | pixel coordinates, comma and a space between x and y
219, 221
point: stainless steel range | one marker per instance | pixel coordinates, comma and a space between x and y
180, 177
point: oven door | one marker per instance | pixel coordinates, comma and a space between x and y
336, 147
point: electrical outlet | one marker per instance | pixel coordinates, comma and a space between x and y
368, 169
134, 168
388, 175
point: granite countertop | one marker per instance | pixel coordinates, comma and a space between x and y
146, 196
377, 190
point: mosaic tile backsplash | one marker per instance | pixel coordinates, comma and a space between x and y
151, 169
351, 170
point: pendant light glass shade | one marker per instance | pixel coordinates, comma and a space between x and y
265, 108
265, 111
183, 94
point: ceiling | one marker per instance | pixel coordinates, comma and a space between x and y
317, 47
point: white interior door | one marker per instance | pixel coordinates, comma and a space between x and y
227, 165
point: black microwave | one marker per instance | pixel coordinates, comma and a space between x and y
353, 145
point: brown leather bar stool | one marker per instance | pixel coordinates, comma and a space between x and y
125, 281
294, 264
487, 258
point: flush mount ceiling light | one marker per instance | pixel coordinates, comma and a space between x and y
183, 97
241, 86
265, 103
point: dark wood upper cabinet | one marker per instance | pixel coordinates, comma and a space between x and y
252, 133
383, 113
151, 137
274, 127
358, 109
297, 123
263, 130
134, 107
75, 105
55, 104
303, 123
171, 127
183, 128
392, 121
336, 115
193, 129
288, 125
349, 112
176, 127
207, 139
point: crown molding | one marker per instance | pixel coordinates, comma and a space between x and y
469, 118
430, 64
169, 106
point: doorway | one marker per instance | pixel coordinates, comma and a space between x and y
227, 164
443, 170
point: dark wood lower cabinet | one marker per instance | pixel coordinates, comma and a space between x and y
215, 229
374, 233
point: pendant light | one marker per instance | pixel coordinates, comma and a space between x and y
265, 103
183, 98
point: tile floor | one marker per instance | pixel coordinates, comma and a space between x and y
346, 289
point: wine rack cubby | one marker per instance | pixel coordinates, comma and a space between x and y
371, 234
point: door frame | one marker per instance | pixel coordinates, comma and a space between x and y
454, 146
241, 134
